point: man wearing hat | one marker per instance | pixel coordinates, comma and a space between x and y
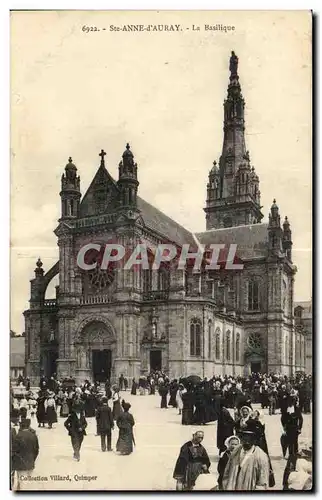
76, 425
105, 424
25, 449
248, 466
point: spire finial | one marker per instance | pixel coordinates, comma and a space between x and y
70, 159
127, 146
39, 272
102, 154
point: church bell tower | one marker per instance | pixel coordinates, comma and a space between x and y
233, 196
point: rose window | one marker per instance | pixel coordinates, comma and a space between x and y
97, 281
254, 341
100, 280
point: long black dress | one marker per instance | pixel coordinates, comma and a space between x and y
134, 387
221, 467
200, 416
125, 423
173, 393
187, 408
41, 410
225, 428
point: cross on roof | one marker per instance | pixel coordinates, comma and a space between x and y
102, 154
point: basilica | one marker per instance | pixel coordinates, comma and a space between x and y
104, 322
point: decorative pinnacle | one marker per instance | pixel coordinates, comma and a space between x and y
39, 263
274, 201
233, 63
102, 154
70, 159
127, 146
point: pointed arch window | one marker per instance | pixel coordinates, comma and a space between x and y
297, 352
217, 344
209, 338
286, 352
253, 295
238, 347
188, 280
228, 346
163, 279
195, 337
147, 280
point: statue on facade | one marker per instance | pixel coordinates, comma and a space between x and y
82, 358
233, 63
154, 331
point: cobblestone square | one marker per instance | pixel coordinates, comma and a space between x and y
159, 436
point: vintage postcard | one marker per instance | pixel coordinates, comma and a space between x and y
161, 250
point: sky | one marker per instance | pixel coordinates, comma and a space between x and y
74, 93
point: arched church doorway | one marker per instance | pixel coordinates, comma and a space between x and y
95, 352
101, 364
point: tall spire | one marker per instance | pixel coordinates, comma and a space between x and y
233, 196
234, 148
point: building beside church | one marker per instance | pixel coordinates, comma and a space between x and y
303, 332
17, 357
104, 323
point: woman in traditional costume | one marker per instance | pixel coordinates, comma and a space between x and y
230, 443
41, 410
179, 398
134, 387
187, 408
125, 423
50, 407
116, 398
225, 428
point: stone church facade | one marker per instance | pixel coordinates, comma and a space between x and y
106, 322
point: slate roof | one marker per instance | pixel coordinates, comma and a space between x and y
251, 240
158, 221
152, 217
305, 304
17, 352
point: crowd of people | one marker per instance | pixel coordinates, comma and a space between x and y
76, 404
228, 400
241, 429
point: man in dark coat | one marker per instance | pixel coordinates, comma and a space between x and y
225, 427
193, 460
292, 422
76, 425
25, 449
105, 424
